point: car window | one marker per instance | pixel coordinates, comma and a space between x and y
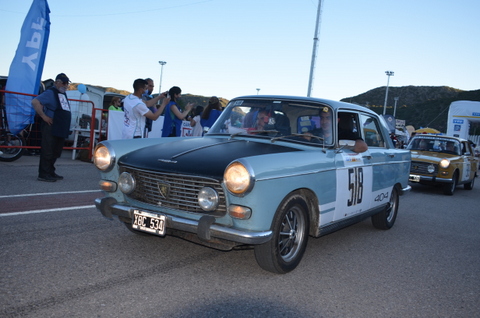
302, 122
372, 133
437, 144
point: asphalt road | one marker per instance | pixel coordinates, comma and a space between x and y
60, 258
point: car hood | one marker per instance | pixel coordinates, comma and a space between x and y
198, 156
431, 156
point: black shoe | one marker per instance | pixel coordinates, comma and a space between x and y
47, 179
56, 176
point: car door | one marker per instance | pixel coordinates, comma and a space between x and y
354, 176
382, 159
468, 162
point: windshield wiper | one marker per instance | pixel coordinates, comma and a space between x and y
297, 135
254, 132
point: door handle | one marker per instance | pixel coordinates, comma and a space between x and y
369, 157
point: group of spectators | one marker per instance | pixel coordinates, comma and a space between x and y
141, 109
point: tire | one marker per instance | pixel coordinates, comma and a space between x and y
449, 189
285, 250
469, 186
11, 154
385, 219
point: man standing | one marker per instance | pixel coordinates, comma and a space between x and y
53, 107
136, 111
151, 103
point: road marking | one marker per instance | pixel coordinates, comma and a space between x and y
47, 193
47, 210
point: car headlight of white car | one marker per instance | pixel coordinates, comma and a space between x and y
126, 183
238, 178
208, 199
103, 158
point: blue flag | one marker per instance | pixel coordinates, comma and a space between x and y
27, 66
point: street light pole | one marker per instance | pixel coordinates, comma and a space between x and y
314, 50
395, 107
389, 73
258, 90
162, 63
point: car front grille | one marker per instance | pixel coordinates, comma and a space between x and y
418, 167
171, 190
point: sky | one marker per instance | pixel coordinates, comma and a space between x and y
230, 48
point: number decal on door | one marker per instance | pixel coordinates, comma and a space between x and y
355, 185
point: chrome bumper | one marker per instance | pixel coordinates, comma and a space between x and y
204, 228
419, 178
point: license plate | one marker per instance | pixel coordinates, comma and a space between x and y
149, 222
414, 178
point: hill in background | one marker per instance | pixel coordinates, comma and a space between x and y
419, 106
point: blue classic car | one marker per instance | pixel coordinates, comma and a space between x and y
272, 171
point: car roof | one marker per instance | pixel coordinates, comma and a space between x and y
430, 136
336, 105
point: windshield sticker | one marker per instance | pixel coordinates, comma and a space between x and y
238, 103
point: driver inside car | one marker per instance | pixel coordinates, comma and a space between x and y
345, 130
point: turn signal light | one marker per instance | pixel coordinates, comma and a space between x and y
239, 212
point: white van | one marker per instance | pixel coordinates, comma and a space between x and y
82, 111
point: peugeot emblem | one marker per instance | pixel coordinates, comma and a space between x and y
164, 189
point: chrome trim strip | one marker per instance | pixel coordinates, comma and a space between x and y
434, 179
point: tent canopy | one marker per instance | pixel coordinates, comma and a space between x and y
427, 130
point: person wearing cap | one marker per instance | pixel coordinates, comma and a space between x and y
53, 108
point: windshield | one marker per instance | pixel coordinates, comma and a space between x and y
299, 121
435, 144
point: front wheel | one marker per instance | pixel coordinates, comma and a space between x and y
11, 141
449, 188
385, 219
469, 186
285, 250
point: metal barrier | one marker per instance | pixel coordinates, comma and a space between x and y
95, 129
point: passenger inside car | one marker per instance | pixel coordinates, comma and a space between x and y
451, 148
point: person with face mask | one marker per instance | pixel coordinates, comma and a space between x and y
54, 109
151, 102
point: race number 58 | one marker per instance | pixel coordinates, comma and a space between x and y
355, 185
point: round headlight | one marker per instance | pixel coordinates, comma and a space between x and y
237, 178
431, 168
126, 183
102, 158
208, 199
444, 163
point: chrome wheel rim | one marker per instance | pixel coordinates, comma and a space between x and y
292, 234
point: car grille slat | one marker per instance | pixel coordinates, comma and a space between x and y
183, 190
422, 168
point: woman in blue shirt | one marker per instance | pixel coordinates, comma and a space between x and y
211, 113
172, 122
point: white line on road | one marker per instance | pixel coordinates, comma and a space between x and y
47, 193
47, 210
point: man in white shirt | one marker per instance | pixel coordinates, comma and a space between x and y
135, 111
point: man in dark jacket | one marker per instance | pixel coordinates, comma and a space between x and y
54, 109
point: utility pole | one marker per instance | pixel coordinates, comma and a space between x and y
314, 51
389, 73
162, 63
